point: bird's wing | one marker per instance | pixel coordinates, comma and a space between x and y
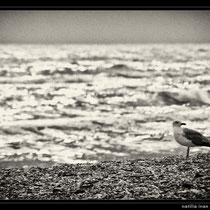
196, 138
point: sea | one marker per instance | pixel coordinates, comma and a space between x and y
85, 103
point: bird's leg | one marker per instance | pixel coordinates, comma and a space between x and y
188, 151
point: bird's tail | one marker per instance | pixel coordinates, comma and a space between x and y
206, 142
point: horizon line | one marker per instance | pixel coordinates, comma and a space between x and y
101, 43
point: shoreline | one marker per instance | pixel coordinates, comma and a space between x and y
168, 178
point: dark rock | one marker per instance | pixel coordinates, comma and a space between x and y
197, 175
187, 185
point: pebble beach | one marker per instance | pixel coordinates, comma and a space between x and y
168, 178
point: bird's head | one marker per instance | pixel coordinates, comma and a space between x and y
178, 124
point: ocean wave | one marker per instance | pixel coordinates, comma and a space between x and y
167, 98
191, 97
125, 71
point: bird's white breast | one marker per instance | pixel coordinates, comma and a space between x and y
179, 137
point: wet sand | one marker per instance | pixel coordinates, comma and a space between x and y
168, 178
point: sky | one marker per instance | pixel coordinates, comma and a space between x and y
104, 26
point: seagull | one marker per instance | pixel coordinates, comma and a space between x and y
188, 137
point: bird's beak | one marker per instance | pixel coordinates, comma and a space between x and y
183, 123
